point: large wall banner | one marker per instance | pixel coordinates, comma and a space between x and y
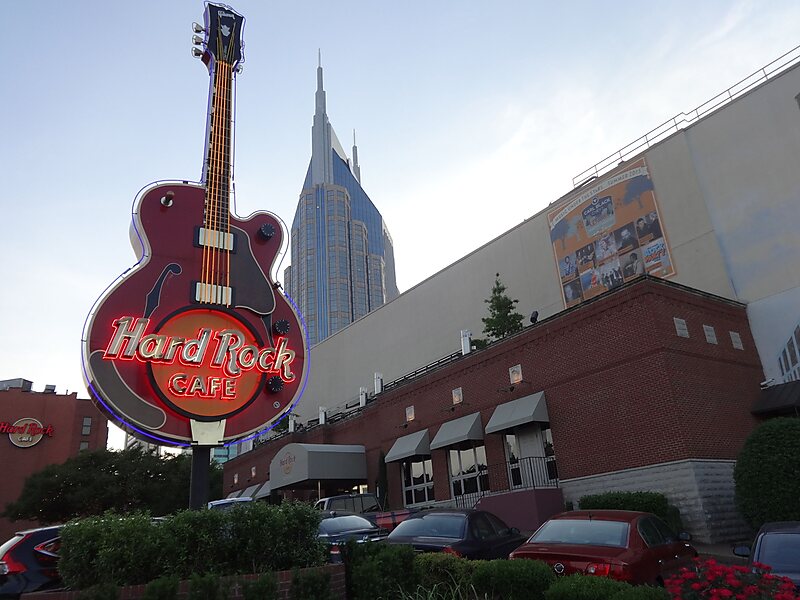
608, 234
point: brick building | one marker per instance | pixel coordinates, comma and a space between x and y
647, 387
41, 429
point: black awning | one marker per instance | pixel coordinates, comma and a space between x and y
781, 399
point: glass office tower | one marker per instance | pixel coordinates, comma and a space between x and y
341, 251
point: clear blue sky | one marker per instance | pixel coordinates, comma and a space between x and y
471, 117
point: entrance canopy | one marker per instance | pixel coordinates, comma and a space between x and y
458, 430
413, 444
304, 465
529, 409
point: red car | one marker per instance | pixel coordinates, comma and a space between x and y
629, 546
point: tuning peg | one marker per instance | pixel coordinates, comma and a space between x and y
197, 28
239, 68
197, 40
197, 53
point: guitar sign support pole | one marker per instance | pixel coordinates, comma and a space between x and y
198, 488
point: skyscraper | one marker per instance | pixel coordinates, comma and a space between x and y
341, 251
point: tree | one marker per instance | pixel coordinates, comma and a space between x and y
94, 482
767, 473
503, 318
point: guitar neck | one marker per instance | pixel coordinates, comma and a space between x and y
219, 148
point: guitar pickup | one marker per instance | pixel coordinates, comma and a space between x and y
209, 293
211, 238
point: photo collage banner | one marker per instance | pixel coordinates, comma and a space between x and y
609, 234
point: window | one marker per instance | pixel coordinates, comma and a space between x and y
650, 533
417, 481
235, 478
468, 473
680, 327
595, 532
252, 471
711, 335
87, 426
736, 340
83, 446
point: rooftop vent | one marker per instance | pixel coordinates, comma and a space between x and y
50, 389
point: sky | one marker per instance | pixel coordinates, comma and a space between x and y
470, 118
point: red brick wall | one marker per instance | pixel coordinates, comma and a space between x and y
65, 413
622, 389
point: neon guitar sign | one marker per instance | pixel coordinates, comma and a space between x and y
196, 343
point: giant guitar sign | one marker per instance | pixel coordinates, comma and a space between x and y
196, 343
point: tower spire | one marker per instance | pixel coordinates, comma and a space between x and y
356, 166
321, 134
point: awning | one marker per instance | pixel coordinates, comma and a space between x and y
303, 465
262, 492
235, 494
781, 399
458, 430
248, 491
529, 409
413, 444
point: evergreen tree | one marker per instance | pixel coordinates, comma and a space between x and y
503, 317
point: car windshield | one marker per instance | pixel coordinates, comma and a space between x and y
589, 532
448, 526
781, 551
336, 525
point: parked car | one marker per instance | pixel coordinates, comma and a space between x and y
366, 505
29, 562
776, 545
629, 546
469, 533
336, 529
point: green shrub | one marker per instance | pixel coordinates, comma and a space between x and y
110, 548
642, 592
767, 473
311, 585
205, 587
194, 542
378, 571
101, 591
263, 588
133, 549
512, 579
163, 588
444, 572
650, 502
584, 587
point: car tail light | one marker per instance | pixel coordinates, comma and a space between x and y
451, 550
600, 569
336, 549
618, 572
10, 566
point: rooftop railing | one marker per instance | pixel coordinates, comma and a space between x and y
683, 120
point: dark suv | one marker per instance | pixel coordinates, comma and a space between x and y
29, 562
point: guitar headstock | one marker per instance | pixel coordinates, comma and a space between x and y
223, 40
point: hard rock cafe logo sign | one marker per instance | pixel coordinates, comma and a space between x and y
209, 369
287, 462
25, 433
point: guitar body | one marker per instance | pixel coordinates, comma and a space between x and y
163, 288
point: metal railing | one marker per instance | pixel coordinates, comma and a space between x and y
535, 472
683, 120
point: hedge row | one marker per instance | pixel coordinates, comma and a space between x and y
650, 502
136, 549
386, 572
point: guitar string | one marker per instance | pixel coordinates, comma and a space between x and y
229, 141
218, 133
